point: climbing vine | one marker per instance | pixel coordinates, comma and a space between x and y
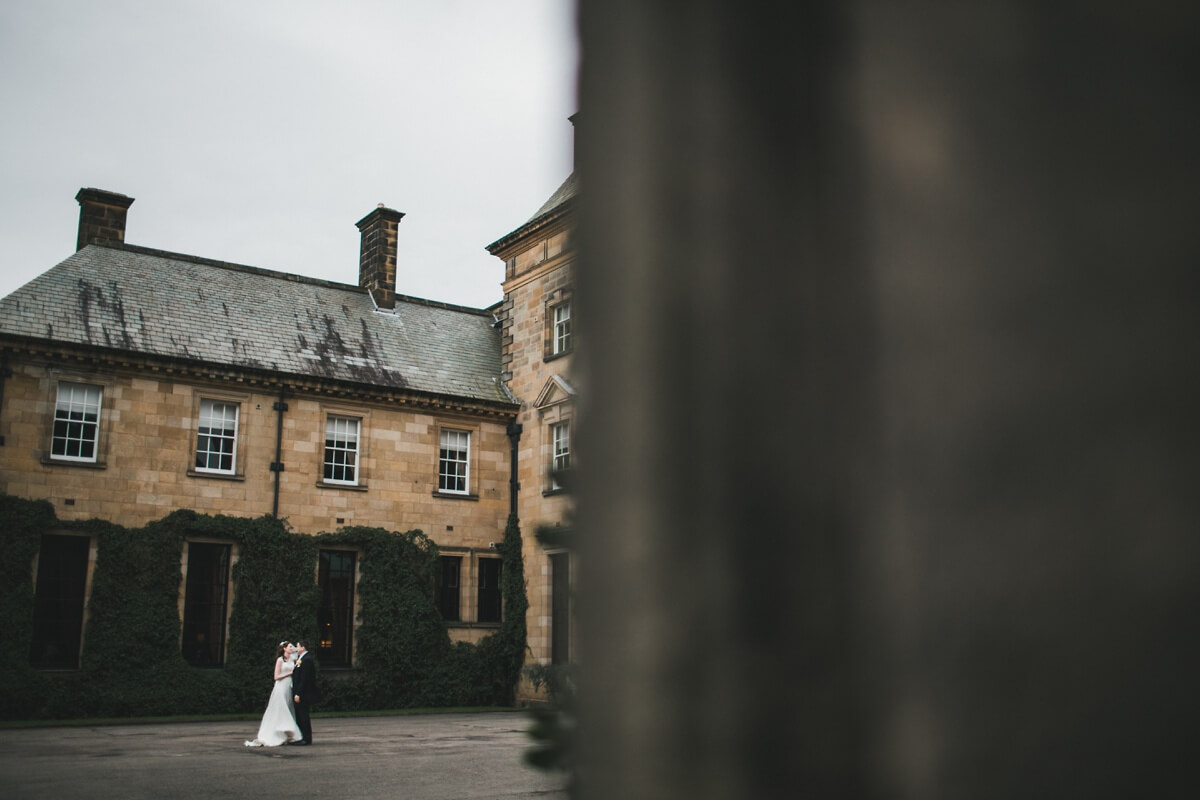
131, 664
20, 528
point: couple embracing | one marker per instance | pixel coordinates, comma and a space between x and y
287, 720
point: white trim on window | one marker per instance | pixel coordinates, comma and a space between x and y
560, 336
216, 437
341, 460
454, 462
76, 432
560, 458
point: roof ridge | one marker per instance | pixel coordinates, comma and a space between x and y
230, 265
281, 275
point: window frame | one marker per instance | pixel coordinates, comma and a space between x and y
560, 328
43, 603
226, 608
557, 342
213, 401
561, 603
555, 406
563, 424
96, 427
497, 590
471, 434
325, 655
443, 589
359, 420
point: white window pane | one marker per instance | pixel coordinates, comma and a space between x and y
341, 449
453, 461
76, 422
562, 328
560, 434
216, 437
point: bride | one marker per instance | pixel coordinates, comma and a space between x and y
279, 722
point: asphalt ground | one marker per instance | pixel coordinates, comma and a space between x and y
458, 756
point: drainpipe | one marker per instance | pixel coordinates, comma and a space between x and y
514, 436
277, 465
5, 373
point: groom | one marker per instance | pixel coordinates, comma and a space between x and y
304, 690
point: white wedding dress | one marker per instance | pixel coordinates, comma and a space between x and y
279, 722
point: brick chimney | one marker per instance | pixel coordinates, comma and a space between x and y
101, 217
377, 254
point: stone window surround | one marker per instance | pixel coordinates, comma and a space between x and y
551, 414
552, 486
239, 469
363, 416
58, 376
472, 431
234, 555
553, 301
468, 583
93, 548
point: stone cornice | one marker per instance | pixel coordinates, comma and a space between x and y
265, 380
527, 230
534, 273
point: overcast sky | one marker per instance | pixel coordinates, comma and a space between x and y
259, 132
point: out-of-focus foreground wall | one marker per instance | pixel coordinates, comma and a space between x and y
889, 463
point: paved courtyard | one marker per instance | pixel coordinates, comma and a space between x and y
458, 756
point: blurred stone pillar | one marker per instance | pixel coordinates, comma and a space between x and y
888, 456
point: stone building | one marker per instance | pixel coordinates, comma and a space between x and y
536, 319
138, 381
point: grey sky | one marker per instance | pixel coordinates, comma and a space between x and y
260, 131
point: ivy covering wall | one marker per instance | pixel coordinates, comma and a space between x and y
131, 663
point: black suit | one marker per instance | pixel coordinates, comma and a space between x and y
304, 686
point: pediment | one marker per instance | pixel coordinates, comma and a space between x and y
557, 390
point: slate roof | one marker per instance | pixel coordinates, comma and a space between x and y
141, 301
558, 202
568, 190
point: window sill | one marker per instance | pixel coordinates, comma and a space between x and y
454, 495
552, 492
350, 487
221, 476
471, 625
50, 461
555, 356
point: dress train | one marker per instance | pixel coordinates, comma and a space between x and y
279, 722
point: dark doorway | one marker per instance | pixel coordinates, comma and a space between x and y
204, 604
58, 603
335, 576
